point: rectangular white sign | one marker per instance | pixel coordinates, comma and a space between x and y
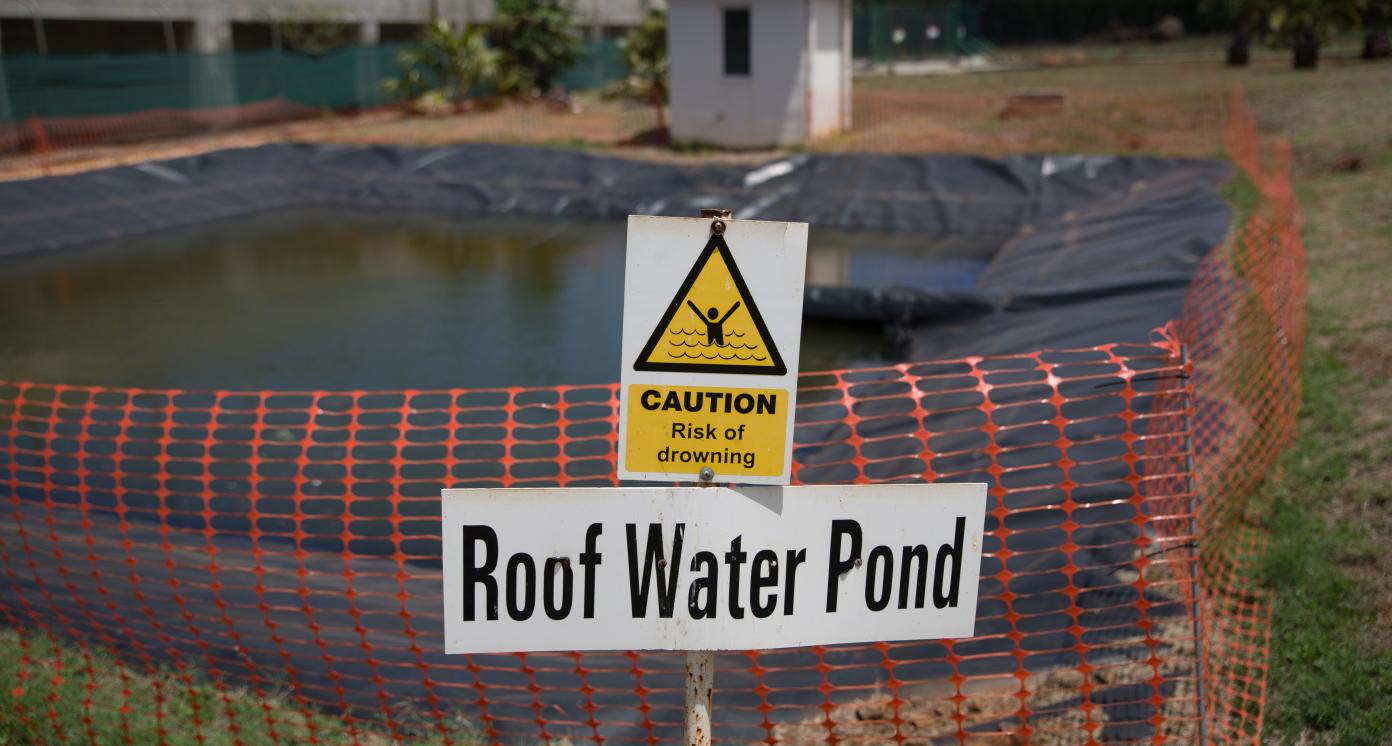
712, 330
715, 568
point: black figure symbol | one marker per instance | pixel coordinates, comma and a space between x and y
715, 330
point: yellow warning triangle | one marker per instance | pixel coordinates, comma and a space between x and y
713, 324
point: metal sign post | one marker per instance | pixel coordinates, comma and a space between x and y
700, 664
700, 688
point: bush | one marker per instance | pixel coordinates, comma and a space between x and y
444, 65
536, 42
645, 54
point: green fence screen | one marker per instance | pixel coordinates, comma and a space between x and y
86, 85
894, 30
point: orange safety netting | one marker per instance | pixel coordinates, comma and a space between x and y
41, 136
288, 543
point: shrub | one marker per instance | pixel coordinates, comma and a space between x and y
446, 63
536, 42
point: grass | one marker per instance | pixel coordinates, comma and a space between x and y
1193, 46
56, 695
1331, 680
1330, 508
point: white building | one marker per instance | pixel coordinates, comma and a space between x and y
756, 73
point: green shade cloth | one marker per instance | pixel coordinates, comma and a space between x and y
87, 85
930, 29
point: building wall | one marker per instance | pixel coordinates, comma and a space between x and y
767, 107
828, 67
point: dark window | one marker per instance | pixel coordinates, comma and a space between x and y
398, 33
66, 36
737, 41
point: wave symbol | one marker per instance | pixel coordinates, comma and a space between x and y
706, 345
699, 333
731, 356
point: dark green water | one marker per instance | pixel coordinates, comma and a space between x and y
333, 299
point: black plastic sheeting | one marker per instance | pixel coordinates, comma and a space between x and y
1094, 249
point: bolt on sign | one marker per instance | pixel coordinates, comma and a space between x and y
711, 333
709, 568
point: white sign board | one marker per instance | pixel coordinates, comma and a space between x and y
713, 568
711, 333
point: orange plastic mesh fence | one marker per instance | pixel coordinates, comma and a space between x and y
287, 544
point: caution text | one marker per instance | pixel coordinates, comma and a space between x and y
734, 432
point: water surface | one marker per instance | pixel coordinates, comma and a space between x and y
340, 299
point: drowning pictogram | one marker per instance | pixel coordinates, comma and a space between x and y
712, 324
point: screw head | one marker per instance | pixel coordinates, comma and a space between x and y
706, 474
718, 227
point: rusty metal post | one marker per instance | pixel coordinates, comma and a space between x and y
700, 671
700, 685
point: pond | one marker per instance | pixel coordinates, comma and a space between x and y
338, 299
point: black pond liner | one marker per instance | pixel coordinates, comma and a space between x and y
1093, 250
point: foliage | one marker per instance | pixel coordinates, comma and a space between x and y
1376, 14
1299, 24
1293, 19
445, 63
304, 27
645, 53
536, 42
315, 37
1377, 17
1240, 11
1246, 16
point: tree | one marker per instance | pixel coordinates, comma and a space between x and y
1247, 16
1377, 17
446, 62
536, 41
645, 54
1304, 24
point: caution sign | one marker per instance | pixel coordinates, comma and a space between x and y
712, 327
712, 324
